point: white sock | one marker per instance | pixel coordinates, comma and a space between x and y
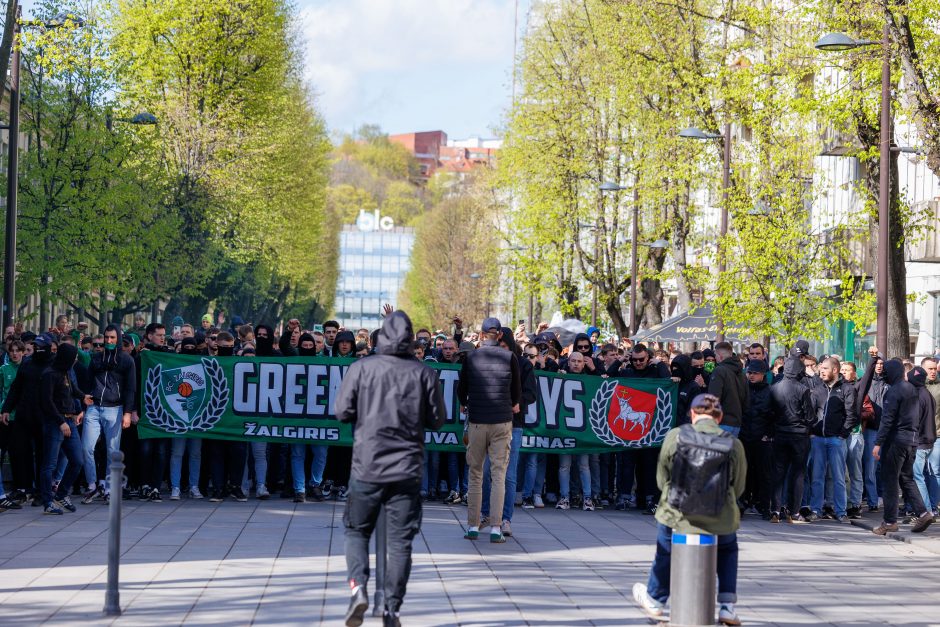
495, 530
477, 529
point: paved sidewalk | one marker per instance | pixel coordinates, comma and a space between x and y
274, 562
929, 540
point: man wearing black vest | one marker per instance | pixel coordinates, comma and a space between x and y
489, 390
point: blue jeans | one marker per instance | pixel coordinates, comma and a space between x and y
926, 469
509, 501
658, 584
854, 462
534, 479
191, 446
829, 451
870, 467
101, 420
298, 454
52, 442
564, 474
259, 454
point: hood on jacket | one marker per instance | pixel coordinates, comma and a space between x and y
681, 367
893, 372
591, 331
345, 336
306, 352
396, 337
582, 337
264, 346
109, 357
65, 357
917, 377
793, 368
508, 338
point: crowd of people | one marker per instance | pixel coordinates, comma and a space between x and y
821, 441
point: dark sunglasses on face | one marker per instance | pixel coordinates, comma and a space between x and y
213, 337
97, 344
638, 360
532, 355
583, 347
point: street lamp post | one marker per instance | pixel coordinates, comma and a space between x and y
839, 42
13, 128
695, 133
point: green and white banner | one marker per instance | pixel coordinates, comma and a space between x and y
290, 399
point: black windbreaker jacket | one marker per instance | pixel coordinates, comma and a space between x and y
791, 404
391, 398
757, 421
835, 409
900, 416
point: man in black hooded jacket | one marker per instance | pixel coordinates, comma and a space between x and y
681, 369
793, 416
390, 398
27, 445
757, 435
60, 402
895, 446
113, 382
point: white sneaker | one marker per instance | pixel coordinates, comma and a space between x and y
194, 493
563, 504
539, 503
588, 505
650, 606
262, 492
174, 494
726, 615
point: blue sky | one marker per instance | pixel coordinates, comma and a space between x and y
411, 65
408, 65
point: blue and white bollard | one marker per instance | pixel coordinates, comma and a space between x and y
692, 579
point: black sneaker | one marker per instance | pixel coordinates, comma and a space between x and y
528, 503
19, 497
315, 492
65, 503
300, 497
237, 494
828, 513
811, 517
216, 497
873, 508
390, 619
650, 509
342, 490
358, 604
155, 496
36, 501
9, 503
144, 493
774, 517
53, 509
854, 512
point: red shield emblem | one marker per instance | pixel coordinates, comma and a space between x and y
631, 412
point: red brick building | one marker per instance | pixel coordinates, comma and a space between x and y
432, 152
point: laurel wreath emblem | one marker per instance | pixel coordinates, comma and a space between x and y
162, 419
662, 422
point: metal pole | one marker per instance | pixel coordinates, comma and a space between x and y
112, 596
381, 557
692, 579
725, 187
884, 198
9, 253
634, 319
531, 312
597, 262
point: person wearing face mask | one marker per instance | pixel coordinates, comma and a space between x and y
689, 387
113, 385
337, 469
27, 436
225, 344
60, 402
307, 347
226, 459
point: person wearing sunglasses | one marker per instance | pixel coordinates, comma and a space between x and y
582, 345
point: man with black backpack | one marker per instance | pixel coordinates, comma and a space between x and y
701, 473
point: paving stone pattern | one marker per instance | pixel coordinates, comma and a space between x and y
274, 562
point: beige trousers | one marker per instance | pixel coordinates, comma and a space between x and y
495, 441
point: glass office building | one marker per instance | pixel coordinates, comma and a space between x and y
372, 267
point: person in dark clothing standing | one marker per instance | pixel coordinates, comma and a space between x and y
729, 384
683, 374
757, 435
791, 407
926, 430
61, 405
390, 398
582, 344
490, 391
641, 463
895, 447
27, 436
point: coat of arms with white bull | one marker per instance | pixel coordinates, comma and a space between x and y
622, 416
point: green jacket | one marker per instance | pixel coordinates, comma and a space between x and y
934, 389
7, 374
730, 518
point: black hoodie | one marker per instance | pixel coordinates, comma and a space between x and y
681, 368
390, 398
306, 352
264, 346
58, 396
926, 409
598, 363
344, 336
24, 393
530, 388
112, 376
900, 417
791, 403
873, 387
757, 422
729, 384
